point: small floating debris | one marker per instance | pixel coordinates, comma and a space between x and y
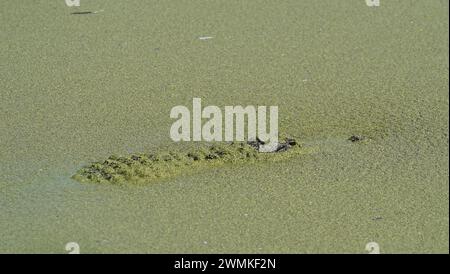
82, 12
144, 168
356, 138
205, 37
86, 12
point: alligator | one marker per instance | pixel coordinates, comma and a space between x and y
144, 168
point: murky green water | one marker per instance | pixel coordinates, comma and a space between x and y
78, 88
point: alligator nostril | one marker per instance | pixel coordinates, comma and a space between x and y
291, 142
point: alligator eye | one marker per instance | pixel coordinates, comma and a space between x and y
260, 141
